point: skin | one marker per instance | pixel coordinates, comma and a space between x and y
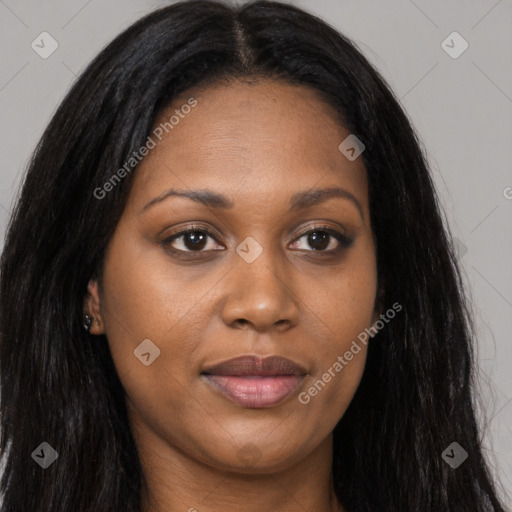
258, 144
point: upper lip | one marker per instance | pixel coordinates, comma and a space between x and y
258, 366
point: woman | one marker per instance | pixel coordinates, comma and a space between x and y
227, 284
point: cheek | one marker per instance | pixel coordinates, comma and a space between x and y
146, 298
344, 304
346, 310
146, 301
339, 364
332, 388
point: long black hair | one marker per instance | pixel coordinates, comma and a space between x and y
59, 384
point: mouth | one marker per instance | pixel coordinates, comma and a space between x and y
254, 382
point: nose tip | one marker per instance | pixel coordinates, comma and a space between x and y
259, 298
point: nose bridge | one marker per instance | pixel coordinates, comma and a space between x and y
264, 275
261, 294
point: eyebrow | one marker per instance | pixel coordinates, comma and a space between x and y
299, 200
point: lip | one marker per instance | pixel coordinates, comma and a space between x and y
255, 382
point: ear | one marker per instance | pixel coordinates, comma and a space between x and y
92, 307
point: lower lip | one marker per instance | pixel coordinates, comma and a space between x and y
255, 392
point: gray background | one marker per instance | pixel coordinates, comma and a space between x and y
461, 108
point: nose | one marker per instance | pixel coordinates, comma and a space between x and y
260, 296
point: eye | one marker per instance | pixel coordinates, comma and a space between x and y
192, 239
323, 239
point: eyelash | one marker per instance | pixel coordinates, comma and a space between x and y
344, 241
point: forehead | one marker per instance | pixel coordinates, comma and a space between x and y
255, 139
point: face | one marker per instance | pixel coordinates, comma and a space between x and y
272, 267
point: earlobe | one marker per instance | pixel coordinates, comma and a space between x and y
92, 307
